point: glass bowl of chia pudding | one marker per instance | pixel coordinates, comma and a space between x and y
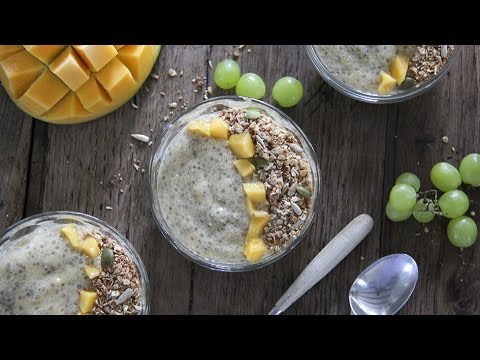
68, 263
382, 74
234, 184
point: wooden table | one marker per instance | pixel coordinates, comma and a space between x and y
361, 149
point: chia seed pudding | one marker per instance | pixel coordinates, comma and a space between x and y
230, 175
359, 66
63, 265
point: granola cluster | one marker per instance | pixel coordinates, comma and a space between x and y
428, 60
118, 286
287, 171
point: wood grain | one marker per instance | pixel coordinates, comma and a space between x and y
361, 149
15, 142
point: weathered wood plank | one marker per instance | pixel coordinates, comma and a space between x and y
86, 167
349, 138
15, 141
448, 282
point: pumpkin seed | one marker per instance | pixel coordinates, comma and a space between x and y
407, 84
107, 257
252, 114
259, 162
303, 191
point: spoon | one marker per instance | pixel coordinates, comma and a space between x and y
385, 286
334, 252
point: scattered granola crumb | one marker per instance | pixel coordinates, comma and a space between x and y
210, 64
154, 76
445, 139
141, 137
162, 93
180, 73
472, 213
362, 258
209, 91
172, 105
121, 191
425, 229
249, 51
108, 208
135, 106
172, 73
136, 167
453, 149
236, 55
241, 47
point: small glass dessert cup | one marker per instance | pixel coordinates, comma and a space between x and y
194, 189
369, 96
63, 263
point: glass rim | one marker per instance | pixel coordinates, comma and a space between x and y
118, 237
225, 267
343, 88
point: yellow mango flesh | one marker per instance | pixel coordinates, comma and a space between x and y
87, 301
387, 83
99, 78
242, 145
245, 168
254, 249
199, 127
71, 234
257, 222
90, 247
92, 271
399, 67
255, 192
219, 129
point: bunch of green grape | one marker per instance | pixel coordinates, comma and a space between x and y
287, 91
406, 199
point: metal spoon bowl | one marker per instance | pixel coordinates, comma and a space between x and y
385, 286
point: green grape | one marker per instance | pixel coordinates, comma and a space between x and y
470, 169
409, 179
251, 85
445, 177
422, 213
287, 91
226, 74
396, 215
403, 197
462, 231
454, 203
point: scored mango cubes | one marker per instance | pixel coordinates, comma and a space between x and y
87, 301
73, 236
219, 129
387, 83
254, 249
199, 127
245, 168
256, 192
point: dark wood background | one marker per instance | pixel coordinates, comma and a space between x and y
361, 149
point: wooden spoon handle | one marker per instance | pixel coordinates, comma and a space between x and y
334, 252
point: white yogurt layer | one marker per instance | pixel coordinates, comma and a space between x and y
202, 199
359, 66
40, 273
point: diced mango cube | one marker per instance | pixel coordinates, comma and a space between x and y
44, 53
93, 96
87, 300
257, 222
134, 58
255, 192
116, 79
254, 249
199, 127
68, 108
90, 247
92, 271
219, 129
96, 56
245, 168
71, 233
19, 71
242, 145
8, 50
44, 93
68, 67
386, 83
399, 67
